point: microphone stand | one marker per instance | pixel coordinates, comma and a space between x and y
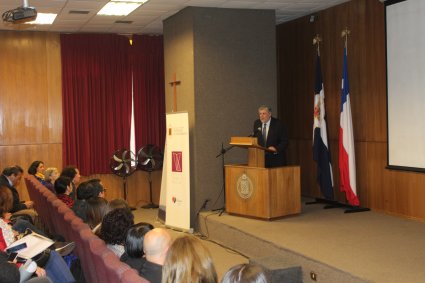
222, 153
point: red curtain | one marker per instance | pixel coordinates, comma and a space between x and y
96, 90
147, 60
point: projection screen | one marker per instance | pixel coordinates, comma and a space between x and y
405, 40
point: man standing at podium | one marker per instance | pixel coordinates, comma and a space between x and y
271, 134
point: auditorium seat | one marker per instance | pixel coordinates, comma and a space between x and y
57, 208
129, 276
99, 264
77, 225
87, 255
114, 267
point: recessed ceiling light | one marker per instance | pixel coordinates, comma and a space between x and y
120, 7
123, 22
131, 1
43, 19
81, 12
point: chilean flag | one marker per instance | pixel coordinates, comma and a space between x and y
321, 152
347, 162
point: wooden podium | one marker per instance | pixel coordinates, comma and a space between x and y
258, 192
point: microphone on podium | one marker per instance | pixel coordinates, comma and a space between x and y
254, 134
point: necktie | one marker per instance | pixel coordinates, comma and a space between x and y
264, 133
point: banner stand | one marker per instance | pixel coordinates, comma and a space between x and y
175, 185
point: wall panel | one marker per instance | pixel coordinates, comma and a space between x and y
30, 100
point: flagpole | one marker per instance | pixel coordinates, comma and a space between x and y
316, 41
350, 208
325, 178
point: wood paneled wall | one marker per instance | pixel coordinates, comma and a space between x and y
31, 112
30, 100
393, 192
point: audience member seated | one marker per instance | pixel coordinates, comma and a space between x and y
188, 260
20, 226
86, 190
73, 173
114, 229
95, 186
96, 209
118, 203
55, 266
10, 178
155, 245
134, 244
9, 233
37, 169
63, 189
50, 176
9, 272
80, 203
245, 273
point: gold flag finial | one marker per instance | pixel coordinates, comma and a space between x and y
316, 41
344, 34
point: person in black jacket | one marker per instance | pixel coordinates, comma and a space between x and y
9, 272
271, 134
11, 177
155, 245
133, 245
73, 173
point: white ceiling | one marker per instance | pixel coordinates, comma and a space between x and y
147, 19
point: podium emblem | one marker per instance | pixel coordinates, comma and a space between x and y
244, 186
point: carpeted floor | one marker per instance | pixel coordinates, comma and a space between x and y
367, 246
223, 258
370, 246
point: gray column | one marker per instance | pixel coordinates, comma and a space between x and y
226, 62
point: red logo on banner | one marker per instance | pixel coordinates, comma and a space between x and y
174, 199
176, 161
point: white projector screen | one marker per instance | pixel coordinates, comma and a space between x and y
405, 39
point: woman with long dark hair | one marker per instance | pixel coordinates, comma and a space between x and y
37, 169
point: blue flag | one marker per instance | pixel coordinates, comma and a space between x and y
321, 153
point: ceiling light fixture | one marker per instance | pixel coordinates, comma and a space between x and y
43, 19
120, 7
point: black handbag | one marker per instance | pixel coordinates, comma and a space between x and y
42, 258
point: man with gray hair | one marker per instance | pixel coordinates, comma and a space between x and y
271, 134
155, 245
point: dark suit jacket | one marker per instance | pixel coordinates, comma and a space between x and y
133, 262
17, 205
276, 137
151, 271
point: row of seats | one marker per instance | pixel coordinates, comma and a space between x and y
99, 264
